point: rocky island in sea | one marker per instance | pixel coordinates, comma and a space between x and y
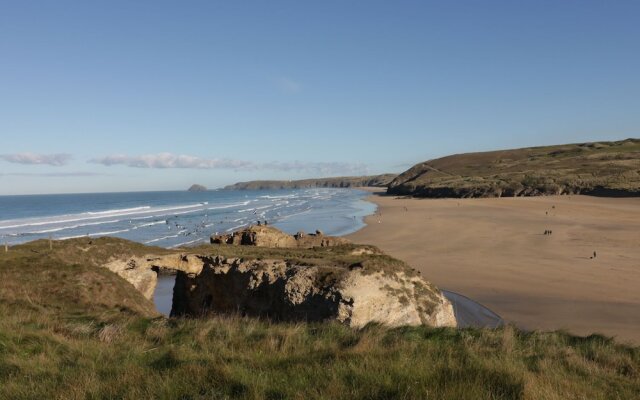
197, 188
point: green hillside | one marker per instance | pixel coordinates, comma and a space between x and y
601, 168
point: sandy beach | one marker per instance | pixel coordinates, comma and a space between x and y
495, 252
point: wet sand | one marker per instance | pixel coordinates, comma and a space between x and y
494, 251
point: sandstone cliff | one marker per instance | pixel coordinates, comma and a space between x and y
267, 273
288, 291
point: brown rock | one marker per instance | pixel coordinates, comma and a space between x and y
283, 291
267, 236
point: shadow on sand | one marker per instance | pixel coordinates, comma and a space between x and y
471, 314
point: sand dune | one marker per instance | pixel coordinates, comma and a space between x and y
495, 252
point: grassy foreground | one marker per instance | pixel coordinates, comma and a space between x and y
78, 331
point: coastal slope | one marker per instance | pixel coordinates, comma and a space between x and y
339, 182
599, 168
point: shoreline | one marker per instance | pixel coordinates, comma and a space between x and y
494, 250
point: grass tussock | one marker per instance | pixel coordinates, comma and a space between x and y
70, 331
244, 358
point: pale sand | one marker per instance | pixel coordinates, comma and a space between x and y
494, 251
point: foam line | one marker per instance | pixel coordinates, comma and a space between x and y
94, 234
117, 210
235, 227
244, 203
71, 227
165, 237
182, 244
152, 223
82, 217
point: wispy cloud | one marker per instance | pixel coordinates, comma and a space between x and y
53, 174
56, 160
326, 168
288, 85
168, 160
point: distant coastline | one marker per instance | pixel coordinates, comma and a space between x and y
337, 182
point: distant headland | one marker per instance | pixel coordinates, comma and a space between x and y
339, 182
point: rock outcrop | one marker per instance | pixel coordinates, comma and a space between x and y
288, 291
138, 272
304, 277
142, 271
267, 236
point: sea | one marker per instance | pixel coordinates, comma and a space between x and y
179, 218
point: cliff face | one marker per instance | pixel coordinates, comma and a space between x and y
604, 168
288, 291
341, 182
264, 272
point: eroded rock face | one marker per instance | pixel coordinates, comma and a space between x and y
315, 278
267, 236
136, 272
288, 292
142, 272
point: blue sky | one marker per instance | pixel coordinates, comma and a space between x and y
155, 95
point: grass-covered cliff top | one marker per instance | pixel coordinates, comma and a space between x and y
340, 182
70, 329
98, 251
600, 168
